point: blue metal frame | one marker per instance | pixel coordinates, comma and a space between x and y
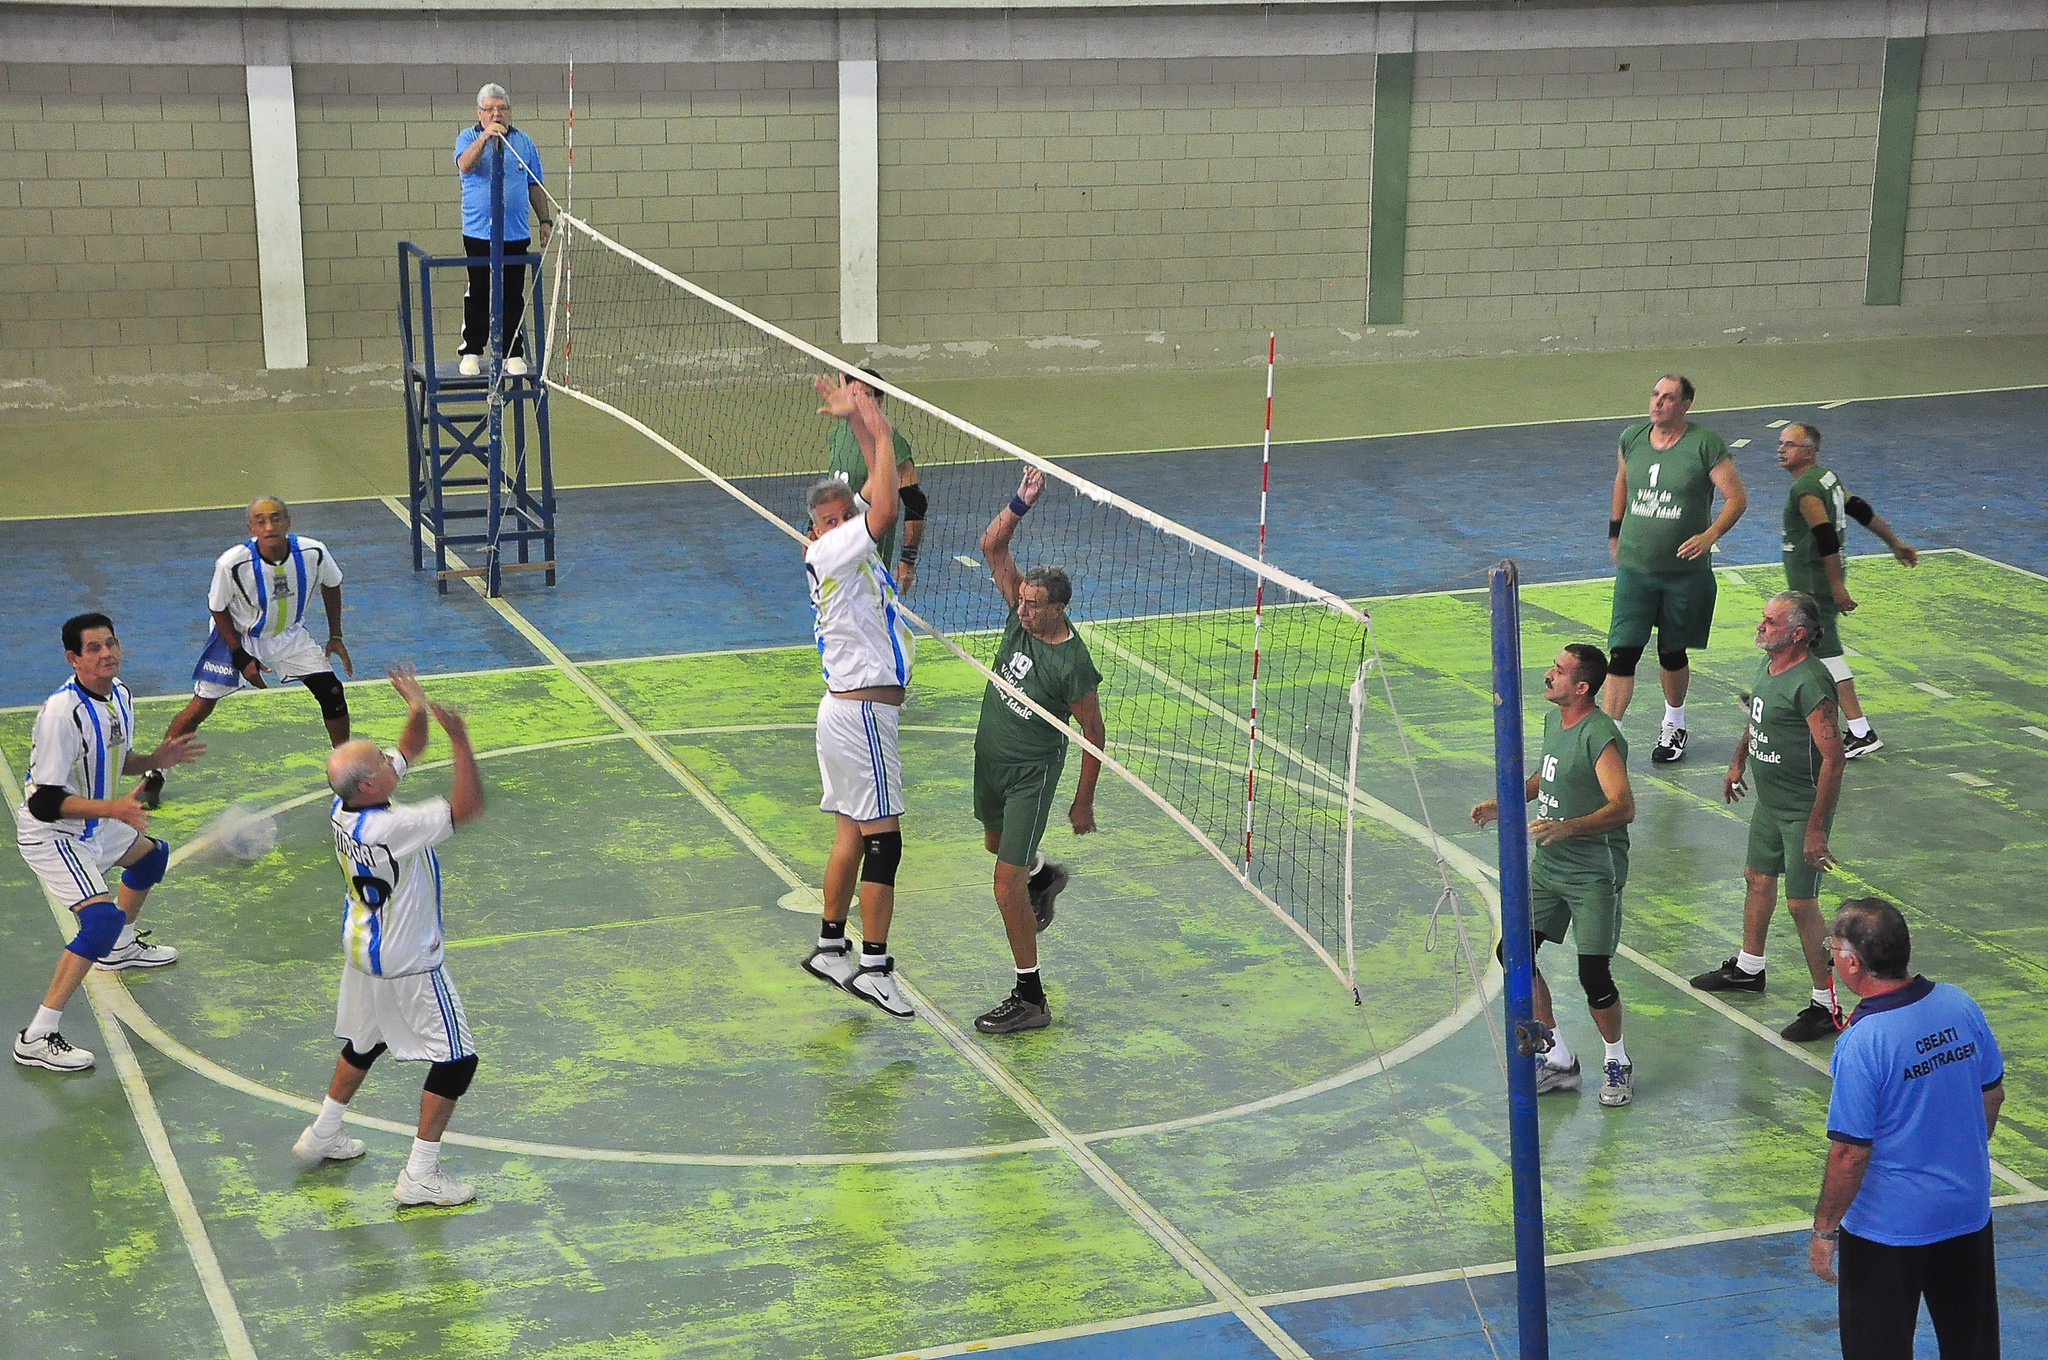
450, 418
1525, 1036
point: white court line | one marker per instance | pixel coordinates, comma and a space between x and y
106, 994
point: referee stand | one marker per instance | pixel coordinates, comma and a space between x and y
468, 437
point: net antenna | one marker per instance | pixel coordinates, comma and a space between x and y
1251, 750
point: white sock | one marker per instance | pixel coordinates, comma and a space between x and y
46, 1022
1615, 1052
1674, 717
1824, 997
1560, 1055
874, 960
425, 1157
127, 936
1859, 727
839, 945
1748, 962
329, 1122
1037, 863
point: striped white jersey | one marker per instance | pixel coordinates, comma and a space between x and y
863, 638
391, 910
81, 742
266, 600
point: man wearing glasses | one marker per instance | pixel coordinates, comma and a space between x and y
1905, 1206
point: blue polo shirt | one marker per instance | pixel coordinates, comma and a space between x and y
1910, 1075
476, 186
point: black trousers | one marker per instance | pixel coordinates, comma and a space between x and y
1882, 1287
476, 301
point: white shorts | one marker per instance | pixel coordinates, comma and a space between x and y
289, 657
75, 870
418, 1015
857, 758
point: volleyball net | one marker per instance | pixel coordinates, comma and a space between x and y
1246, 703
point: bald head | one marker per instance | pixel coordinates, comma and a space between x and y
352, 765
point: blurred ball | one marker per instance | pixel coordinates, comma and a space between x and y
245, 832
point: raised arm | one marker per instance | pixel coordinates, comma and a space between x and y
878, 450
466, 799
995, 540
413, 740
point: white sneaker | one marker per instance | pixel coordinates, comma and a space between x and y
877, 987
470, 365
137, 953
1551, 1078
51, 1052
436, 1187
1617, 1082
836, 966
515, 367
340, 1148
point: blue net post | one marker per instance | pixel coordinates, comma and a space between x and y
495, 404
1524, 1036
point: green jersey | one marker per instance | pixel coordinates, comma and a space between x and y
1568, 786
843, 461
1784, 762
1054, 674
1803, 569
1670, 497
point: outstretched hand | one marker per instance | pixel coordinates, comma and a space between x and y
451, 722
1031, 486
406, 680
179, 750
837, 393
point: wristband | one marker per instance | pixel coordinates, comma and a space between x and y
1614, 528
239, 659
908, 556
1831, 1235
1019, 506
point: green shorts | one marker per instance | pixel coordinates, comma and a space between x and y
1014, 801
1777, 845
1828, 643
1587, 904
1679, 605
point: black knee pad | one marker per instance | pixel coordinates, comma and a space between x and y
449, 1080
1672, 661
882, 852
360, 1061
326, 689
1622, 661
1500, 947
1596, 975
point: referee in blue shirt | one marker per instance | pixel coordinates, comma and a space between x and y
1906, 1203
522, 192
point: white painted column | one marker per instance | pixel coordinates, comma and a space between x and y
280, 247
860, 227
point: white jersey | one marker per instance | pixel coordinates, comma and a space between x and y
863, 639
391, 915
81, 742
267, 600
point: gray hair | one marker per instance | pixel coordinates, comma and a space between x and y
825, 491
1054, 582
277, 501
1811, 432
1804, 613
493, 91
347, 781
1876, 931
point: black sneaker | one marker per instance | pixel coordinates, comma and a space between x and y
1014, 1014
1854, 746
152, 791
1815, 1022
1045, 885
1670, 747
1728, 978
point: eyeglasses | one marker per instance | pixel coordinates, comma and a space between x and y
1836, 948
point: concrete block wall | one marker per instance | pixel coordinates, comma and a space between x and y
724, 173
1701, 179
1056, 198
127, 221
1977, 210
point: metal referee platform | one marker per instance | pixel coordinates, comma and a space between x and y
481, 440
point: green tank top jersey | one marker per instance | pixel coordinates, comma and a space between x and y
1803, 569
1054, 674
1568, 785
1670, 497
843, 461
1784, 763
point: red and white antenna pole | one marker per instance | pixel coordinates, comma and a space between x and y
1259, 603
569, 206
